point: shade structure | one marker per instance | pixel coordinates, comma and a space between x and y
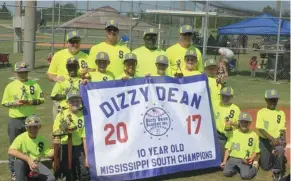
261, 25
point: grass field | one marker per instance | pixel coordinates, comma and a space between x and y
248, 94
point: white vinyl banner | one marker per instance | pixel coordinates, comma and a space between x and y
149, 126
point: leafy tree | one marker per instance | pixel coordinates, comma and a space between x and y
269, 10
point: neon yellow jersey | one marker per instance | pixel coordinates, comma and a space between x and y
124, 75
77, 120
34, 148
242, 145
146, 61
187, 73
214, 92
116, 55
18, 90
272, 121
231, 111
157, 75
64, 87
59, 62
99, 76
177, 52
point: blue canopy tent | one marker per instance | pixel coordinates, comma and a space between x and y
261, 25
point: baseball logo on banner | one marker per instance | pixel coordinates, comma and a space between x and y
150, 126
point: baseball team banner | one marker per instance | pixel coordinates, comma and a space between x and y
149, 126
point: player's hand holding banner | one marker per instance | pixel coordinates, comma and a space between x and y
149, 126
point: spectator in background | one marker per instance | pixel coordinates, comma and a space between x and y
253, 66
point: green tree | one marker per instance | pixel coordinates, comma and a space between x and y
4, 12
269, 10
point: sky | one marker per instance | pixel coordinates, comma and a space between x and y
125, 5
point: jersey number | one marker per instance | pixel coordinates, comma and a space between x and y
251, 142
278, 119
31, 88
231, 114
120, 54
80, 123
40, 147
83, 64
121, 138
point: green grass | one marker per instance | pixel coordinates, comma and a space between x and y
248, 94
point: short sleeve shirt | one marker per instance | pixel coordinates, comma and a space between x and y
59, 62
242, 145
77, 121
116, 55
272, 121
18, 90
34, 148
99, 76
177, 52
214, 89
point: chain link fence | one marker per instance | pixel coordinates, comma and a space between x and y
54, 20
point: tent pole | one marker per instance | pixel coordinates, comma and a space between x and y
278, 39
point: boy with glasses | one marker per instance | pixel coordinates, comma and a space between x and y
112, 47
148, 54
176, 52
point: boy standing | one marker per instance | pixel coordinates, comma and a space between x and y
130, 63
102, 74
271, 126
21, 97
242, 149
28, 148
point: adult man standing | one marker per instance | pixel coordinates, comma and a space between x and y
177, 52
115, 50
57, 70
148, 54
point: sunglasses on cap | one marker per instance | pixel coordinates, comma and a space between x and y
187, 34
112, 29
74, 41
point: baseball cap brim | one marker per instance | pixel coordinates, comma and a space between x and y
32, 124
22, 70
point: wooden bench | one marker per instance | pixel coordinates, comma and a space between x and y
4, 60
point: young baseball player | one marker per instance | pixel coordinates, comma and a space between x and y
226, 116
190, 59
21, 97
102, 74
28, 148
72, 82
210, 67
162, 65
72, 119
130, 63
242, 149
272, 130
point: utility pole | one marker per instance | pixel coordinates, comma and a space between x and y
17, 30
59, 19
29, 33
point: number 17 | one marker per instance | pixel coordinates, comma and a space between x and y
196, 117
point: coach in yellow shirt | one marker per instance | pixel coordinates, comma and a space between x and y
226, 116
21, 96
28, 148
57, 70
148, 54
271, 126
177, 52
111, 46
242, 149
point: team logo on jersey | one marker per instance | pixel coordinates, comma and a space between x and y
156, 122
266, 124
105, 78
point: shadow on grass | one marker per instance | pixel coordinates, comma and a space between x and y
186, 174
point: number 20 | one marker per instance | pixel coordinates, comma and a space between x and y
111, 128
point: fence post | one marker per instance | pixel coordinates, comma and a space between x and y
278, 40
53, 29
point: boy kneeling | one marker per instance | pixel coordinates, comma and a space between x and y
28, 148
242, 149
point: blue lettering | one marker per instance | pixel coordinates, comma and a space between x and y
196, 100
161, 96
115, 104
133, 92
185, 98
103, 107
122, 104
103, 170
145, 93
171, 94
